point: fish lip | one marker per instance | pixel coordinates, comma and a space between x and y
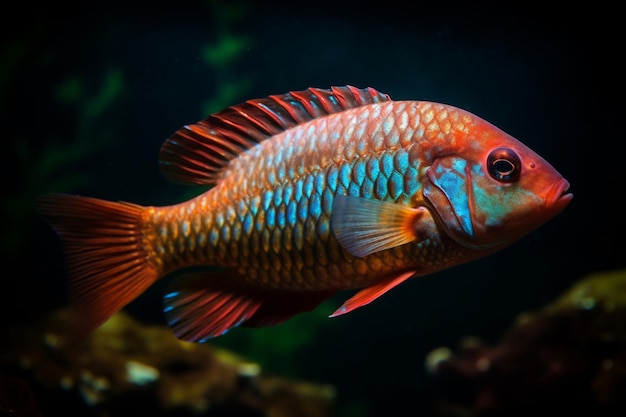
557, 196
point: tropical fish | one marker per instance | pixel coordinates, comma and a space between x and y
312, 192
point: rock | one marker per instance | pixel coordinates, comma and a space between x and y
567, 358
125, 368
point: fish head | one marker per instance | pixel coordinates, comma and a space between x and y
493, 190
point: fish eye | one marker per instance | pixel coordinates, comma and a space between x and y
504, 165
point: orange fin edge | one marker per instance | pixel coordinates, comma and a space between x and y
369, 294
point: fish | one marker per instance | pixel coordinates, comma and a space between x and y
309, 193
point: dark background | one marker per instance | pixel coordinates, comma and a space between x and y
89, 93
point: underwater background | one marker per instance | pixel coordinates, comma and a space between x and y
88, 97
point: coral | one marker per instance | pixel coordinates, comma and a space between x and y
125, 366
568, 357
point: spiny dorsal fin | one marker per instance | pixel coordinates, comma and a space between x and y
197, 153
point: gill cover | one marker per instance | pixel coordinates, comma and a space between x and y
450, 192
486, 205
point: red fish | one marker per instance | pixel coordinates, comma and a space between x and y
313, 192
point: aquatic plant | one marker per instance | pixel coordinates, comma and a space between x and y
43, 168
223, 54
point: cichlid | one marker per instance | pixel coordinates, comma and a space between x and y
313, 192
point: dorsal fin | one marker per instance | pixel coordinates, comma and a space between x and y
197, 153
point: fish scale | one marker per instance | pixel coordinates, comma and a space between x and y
312, 192
305, 203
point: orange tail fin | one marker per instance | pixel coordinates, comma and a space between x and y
107, 265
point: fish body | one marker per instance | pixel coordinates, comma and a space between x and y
313, 192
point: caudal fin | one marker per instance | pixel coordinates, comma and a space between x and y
106, 262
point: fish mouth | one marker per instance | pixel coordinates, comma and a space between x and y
558, 197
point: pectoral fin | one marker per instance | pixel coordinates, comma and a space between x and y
364, 226
369, 294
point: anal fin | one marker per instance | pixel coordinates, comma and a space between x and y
202, 306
